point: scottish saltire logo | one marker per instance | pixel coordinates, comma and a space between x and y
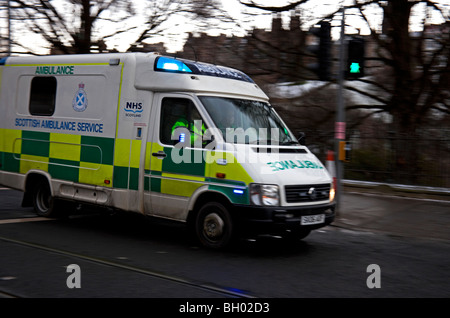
80, 101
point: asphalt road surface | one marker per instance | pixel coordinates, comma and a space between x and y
129, 256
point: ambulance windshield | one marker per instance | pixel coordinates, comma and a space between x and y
247, 121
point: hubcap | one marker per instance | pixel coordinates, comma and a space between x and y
213, 226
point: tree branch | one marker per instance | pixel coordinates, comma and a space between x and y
252, 4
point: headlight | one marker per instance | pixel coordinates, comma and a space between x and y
332, 191
264, 194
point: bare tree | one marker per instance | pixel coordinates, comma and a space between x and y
79, 26
411, 83
418, 65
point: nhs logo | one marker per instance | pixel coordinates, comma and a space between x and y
133, 107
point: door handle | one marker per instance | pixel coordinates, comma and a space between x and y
160, 154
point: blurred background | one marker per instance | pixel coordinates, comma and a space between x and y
395, 72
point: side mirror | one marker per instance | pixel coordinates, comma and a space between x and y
301, 138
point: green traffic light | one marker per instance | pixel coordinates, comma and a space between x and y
355, 68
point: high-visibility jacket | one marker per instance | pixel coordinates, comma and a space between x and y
193, 129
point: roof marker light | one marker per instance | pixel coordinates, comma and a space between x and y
114, 62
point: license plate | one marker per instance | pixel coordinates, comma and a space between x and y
313, 219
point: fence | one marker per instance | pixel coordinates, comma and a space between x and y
423, 159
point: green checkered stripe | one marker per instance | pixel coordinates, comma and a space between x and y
81, 159
184, 178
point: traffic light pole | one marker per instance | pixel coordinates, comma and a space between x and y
339, 129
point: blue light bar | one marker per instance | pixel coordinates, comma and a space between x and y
175, 65
168, 64
238, 191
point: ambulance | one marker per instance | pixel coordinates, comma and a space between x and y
160, 136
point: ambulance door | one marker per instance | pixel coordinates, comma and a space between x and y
175, 156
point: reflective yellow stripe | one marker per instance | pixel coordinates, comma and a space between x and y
148, 154
183, 183
122, 152
180, 184
135, 153
94, 173
65, 146
28, 162
127, 153
10, 140
156, 164
183, 177
233, 170
179, 187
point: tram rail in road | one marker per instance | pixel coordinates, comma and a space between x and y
224, 292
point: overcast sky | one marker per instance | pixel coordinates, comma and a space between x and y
311, 12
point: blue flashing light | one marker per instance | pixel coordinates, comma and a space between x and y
168, 64
171, 66
174, 65
182, 137
238, 191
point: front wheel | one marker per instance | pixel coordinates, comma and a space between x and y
214, 226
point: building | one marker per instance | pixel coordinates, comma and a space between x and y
268, 56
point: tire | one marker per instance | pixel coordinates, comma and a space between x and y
214, 226
43, 202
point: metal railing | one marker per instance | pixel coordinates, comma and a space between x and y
422, 159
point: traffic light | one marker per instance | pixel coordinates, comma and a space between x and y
322, 51
355, 58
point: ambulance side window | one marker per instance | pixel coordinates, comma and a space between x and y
179, 113
42, 96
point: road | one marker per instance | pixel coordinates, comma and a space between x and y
128, 256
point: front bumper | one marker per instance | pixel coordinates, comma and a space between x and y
273, 220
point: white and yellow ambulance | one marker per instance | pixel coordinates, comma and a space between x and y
160, 136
